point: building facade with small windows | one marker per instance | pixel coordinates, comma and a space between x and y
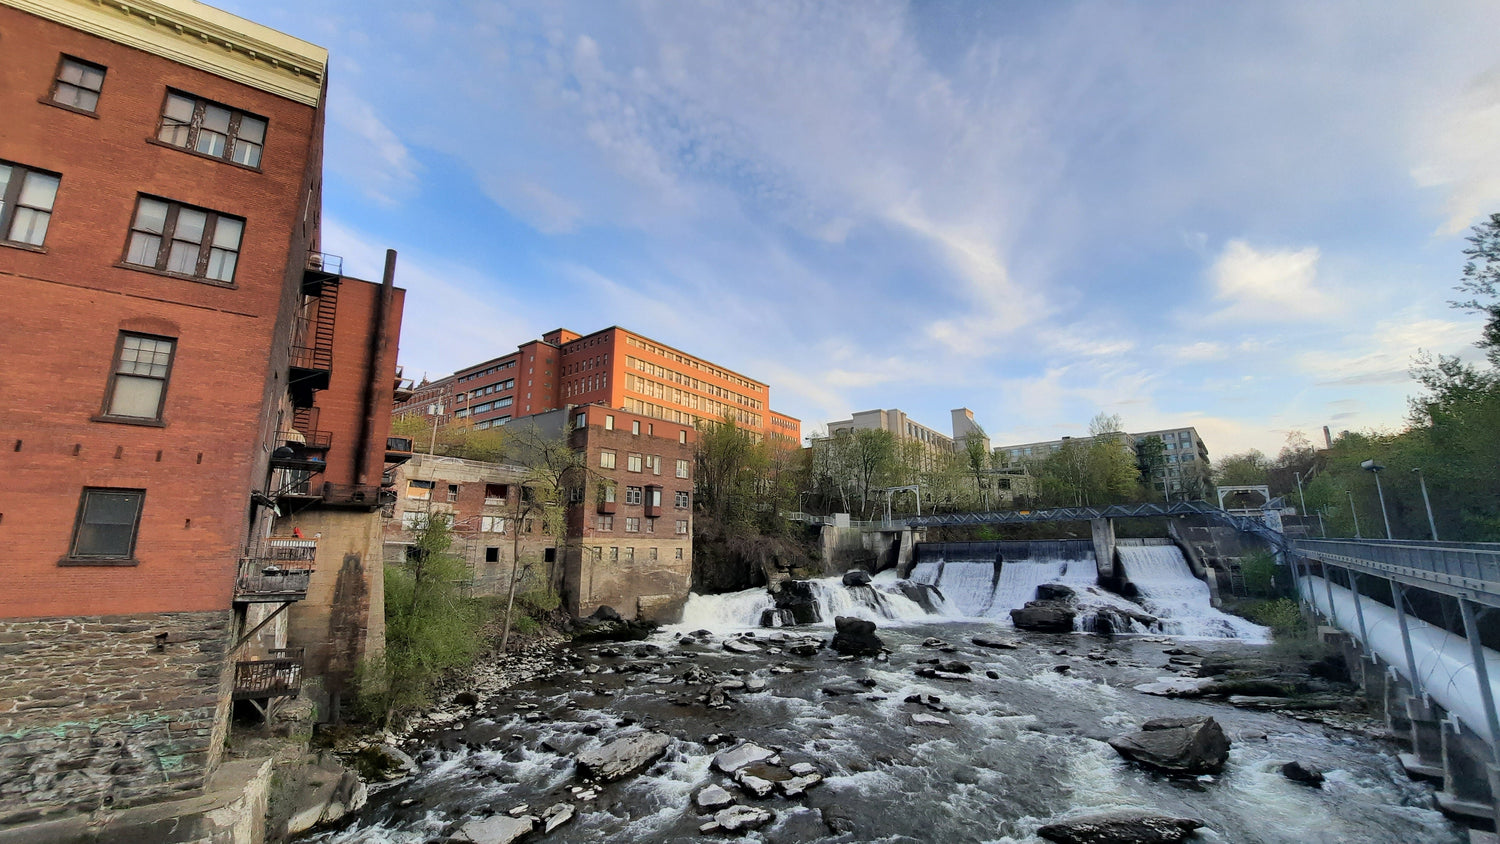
614, 367
160, 191
1185, 471
627, 540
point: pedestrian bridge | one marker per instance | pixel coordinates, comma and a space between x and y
1411, 617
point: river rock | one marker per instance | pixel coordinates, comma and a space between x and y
1177, 745
920, 719
713, 798
1055, 592
926, 596
495, 830
737, 818
737, 757
856, 577
1120, 828
797, 599
795, 786
1305, 774
606, 625
557, 815
740, 646
777, 618
623, 756
856, 637
756, 785
1044, 617
997, 644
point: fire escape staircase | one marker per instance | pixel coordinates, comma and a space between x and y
276, 570
312, 349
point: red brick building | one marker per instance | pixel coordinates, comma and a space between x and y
615, 368
169, 329
628, 541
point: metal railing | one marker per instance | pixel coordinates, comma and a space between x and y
309, 440
280, 674
276, 570
324, 262
1474, 564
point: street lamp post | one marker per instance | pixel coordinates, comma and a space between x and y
1375, 468
1432, 525
1301, 499
1353, 512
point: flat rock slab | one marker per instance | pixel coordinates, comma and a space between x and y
496, 830
737, 818
740, 646
921, 720
1175, 686
623, 756
1120, 828
713, 798
736, 758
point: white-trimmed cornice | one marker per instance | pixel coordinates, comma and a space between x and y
198, 36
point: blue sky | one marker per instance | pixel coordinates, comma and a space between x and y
1242, 217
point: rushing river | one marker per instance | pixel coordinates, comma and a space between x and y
1019, 751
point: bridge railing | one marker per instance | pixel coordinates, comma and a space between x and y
1471, 560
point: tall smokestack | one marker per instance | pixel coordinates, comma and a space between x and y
1327, 438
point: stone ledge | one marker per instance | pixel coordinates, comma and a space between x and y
232, 810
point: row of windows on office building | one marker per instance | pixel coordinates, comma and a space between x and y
639, 463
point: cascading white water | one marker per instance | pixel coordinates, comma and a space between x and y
968, 586
1169, 591
730, 611
883, 600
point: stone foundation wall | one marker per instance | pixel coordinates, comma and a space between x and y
109, 710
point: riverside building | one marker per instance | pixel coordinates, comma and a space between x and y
208, 388
615, 368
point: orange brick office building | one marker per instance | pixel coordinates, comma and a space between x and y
615, 368
168, 328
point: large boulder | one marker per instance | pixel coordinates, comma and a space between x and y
1177, 745
856, 577
1044, 617
796, 598
928, 597
1120, 828
606, 625
856, 637
623, 756
1055, 592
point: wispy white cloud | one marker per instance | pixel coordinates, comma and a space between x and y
1269, 284
366, 150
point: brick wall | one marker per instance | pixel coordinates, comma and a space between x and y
107, 711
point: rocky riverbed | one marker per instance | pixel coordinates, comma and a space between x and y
955, 732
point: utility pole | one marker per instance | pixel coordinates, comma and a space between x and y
1375, 468
1432, 525
1353, 512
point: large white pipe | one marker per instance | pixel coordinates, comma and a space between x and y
1445, 663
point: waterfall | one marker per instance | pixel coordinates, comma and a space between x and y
1169, 591
881, 601
729, 611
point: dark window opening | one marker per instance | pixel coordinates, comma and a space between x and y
108, 521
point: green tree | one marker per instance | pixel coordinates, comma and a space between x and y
1481, 284
1150, 460
431, 627
1246, 468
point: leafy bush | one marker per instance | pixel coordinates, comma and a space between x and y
1282, 615
1259, 570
